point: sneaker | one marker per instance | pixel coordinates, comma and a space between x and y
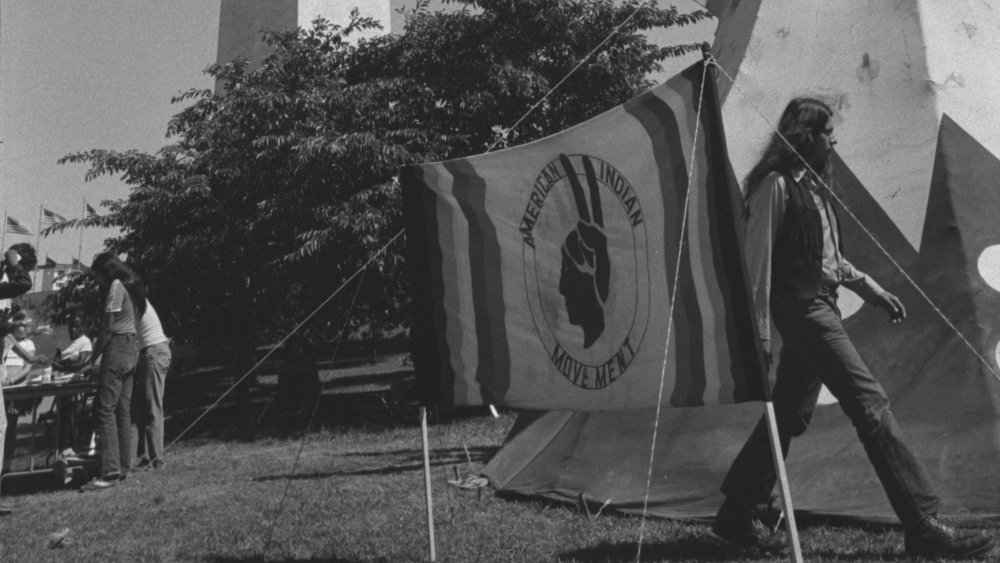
933, 538
99, 484
742, 525
143, 464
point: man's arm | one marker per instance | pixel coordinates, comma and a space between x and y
103, 335
767, 208
872, 293
75, 364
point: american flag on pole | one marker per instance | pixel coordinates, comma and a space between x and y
16, 228
544, 275
91, 212
51, 218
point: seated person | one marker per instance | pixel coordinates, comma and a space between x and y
19, 359
19, 350
75, 356
72, 411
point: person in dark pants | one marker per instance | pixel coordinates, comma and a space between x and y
117, 346
14, 281
796, 265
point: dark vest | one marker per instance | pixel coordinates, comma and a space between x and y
797, 259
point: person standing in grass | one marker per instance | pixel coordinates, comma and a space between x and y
14, 281
117, 346
147, 391
796, 264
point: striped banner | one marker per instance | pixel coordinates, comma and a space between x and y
543, 273
51, 218
15, 227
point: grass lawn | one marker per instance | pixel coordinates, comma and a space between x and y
232, 491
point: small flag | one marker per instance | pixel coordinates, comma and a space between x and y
50, 263
51, 218
16, 228
91, 212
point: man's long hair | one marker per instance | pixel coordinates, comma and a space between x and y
802, 120
115, 269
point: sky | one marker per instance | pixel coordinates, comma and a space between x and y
98, 74
81, 75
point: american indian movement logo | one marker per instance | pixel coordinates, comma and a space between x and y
586, 268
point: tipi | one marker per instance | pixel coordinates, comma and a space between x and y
918, 166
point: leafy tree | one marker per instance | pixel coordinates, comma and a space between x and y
275, 190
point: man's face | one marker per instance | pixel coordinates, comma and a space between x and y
75, 330
20, 332
823, 143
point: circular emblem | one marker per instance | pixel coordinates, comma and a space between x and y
586, 269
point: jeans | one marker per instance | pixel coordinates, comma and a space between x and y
147, 400
114, 421
3, 424
816, 351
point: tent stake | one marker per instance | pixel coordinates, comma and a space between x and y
427, 484
786, 494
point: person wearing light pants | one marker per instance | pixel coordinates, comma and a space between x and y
147, 393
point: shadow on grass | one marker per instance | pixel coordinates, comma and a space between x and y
692, 549
258, 559
410, 460
706, 549
258, 415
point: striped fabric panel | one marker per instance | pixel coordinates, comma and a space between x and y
493, 366
463, 234
715, 340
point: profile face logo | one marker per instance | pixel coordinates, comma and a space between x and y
586, 268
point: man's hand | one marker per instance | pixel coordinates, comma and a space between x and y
765, 344
892, 305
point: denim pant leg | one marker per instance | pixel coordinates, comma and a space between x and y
154, 362
812, 328
114, 426
139, 406
752, 476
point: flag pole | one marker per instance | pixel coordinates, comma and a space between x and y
38, 245
3, 237
427, 484
785, 492
79, 250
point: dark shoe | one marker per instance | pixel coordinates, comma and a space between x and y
98, 484
143, 464
742, 525
933, 538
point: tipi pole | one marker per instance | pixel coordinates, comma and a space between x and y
785, 492
427, 484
